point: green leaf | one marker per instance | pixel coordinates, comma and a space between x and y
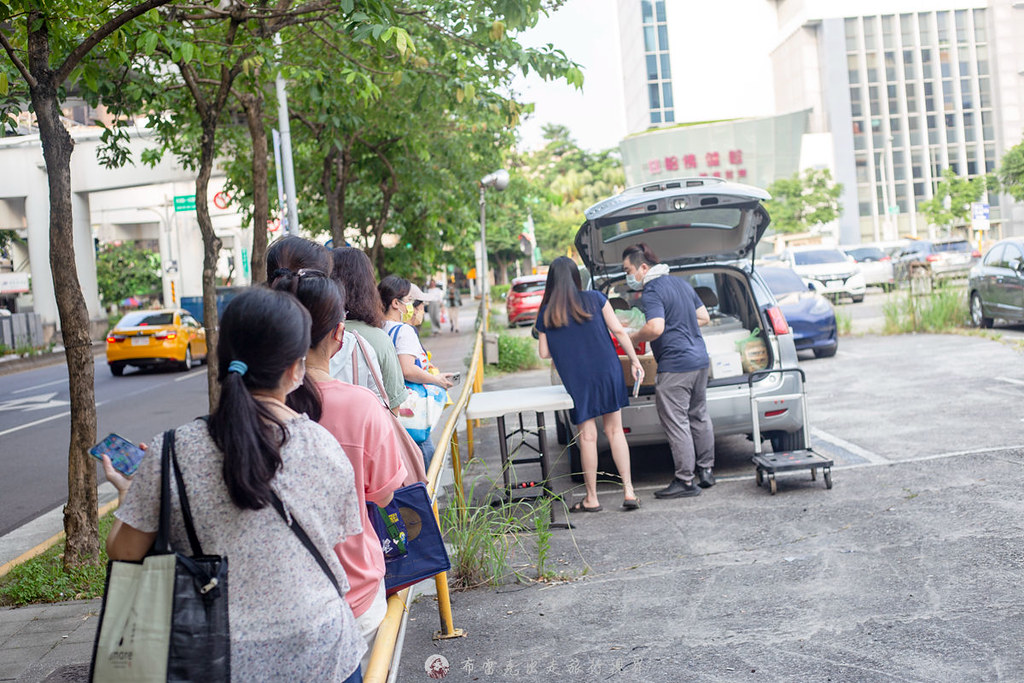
149, 42
347, 6
3, 83
187, 52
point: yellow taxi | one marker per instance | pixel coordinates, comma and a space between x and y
154, 338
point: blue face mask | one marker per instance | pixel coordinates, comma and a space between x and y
633, 283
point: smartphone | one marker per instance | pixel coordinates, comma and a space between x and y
124, 455
456, 377
636, 388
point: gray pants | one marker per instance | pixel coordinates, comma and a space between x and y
681, 398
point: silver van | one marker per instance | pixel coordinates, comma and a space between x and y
705, 229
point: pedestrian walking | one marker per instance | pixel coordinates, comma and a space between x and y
288, 621
435, 302
675, 315
454, 303
365, 317
575, 329
367, 435
403, 309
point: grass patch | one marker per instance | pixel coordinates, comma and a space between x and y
844, 323
517, 353
43, 579
498, 292
942, 310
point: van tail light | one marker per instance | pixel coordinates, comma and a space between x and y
975, 253
776, 413
778, 320
931, 258
166, 335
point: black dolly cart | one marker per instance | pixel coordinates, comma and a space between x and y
770, 464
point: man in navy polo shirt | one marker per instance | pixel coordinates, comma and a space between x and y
675, 315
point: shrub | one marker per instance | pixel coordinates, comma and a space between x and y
498, 292
516, 353
943, 309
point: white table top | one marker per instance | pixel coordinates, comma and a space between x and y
528, 399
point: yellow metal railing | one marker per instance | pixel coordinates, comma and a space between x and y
447, 444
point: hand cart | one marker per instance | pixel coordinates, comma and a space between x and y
768, 465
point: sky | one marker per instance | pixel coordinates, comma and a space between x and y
732, 73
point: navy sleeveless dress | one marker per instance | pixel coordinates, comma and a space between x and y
586, 361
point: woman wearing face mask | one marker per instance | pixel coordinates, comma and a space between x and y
366, 433
403, 308
287, 620
574, 329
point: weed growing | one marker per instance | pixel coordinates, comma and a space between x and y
844, 323
516, 353
942, 310
43, 579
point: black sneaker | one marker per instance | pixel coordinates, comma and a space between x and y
705, 478
678, 489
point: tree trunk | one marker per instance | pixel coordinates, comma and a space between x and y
80, 517
327, 185
344, 170
377, 249
211, 249
253, 105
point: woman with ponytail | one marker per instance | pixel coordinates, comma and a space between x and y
287, 620
367, 435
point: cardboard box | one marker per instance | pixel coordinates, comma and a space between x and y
650, 367
724, 341
726, 364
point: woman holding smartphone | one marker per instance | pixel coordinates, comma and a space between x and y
574, 329
288, 622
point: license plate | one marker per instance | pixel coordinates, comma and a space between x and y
834, 284
140, 341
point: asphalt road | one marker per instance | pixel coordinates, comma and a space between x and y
35, 426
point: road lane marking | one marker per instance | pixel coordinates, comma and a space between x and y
40, 386
36, 402
37, 422
1011, 380
191, 375
870, 456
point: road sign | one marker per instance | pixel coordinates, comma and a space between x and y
980, 216
894, 210
185, 202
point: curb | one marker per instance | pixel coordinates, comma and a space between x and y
9, 367
48, 543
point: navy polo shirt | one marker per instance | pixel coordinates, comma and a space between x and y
680, 348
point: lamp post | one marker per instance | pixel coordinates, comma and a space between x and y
499, 181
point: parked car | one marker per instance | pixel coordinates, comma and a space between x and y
705, 230
935, 260
995, 287
811, 316
875, 265
523, 299
834, 273
155, 338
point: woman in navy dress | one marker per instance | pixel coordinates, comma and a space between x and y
574, 331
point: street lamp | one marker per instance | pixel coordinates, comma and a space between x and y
499, 181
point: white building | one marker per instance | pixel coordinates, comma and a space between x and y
895, 92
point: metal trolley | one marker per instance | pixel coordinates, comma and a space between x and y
768, 465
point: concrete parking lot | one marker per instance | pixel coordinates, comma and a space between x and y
908, 569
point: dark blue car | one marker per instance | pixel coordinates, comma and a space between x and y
809, 314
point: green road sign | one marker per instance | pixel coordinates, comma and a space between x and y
185, 202
894, 210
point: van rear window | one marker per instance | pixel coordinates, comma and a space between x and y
619, 227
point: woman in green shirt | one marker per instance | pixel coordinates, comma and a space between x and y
353, 270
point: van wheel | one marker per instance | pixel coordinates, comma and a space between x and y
561, 433
575, 462
787, 441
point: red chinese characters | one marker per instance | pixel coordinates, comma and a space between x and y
711, 158
671, 163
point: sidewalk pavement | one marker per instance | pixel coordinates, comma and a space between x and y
54, 642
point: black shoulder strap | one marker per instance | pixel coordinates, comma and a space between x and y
162, 544
301, 533
186, 510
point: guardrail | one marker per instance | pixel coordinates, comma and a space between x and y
391, 632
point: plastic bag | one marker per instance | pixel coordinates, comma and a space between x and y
634, 318
753, 352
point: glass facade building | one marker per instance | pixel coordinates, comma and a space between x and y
657, 62
920, 101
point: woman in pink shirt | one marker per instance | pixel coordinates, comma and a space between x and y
365, 430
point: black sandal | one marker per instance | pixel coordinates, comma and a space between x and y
631, 503
580, 507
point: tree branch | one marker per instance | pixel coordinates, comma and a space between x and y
25, 73
99, 34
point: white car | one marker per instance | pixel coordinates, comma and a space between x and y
875, 264
829, 269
